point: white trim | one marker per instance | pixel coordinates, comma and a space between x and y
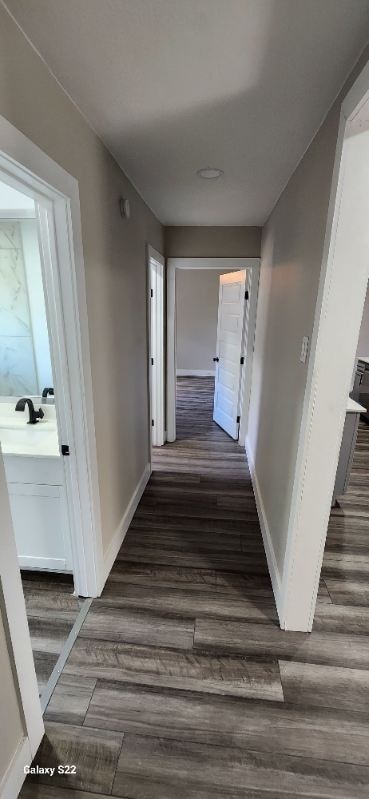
228, 264
15, 620
15, 775
195, 372
265, 531
248, 349
121, 531
25, 166
156, 358
333, 345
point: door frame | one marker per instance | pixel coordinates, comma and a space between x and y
24, 166
228, 264
338, 314
156, 299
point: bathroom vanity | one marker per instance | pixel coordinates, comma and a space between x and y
36, 483
353, 412
361, 385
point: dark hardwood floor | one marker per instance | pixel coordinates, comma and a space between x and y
51, 612
180, 684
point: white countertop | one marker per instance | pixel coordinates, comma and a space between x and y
354, 407
364, 358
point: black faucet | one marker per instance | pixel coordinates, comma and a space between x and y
47, 391
34, 416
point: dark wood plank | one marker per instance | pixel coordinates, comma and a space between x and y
329, 686
71, 698
95, 754
51, 612
186, 578
233, 676
157, 768
165, 600
324, 733
38, 791
142, 627
351, 651
342, 619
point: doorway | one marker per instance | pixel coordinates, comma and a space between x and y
48, 464
230, 387
343, 282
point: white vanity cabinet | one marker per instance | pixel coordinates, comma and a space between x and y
39, 511
348, 444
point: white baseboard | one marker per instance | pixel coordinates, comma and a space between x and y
265, 531
195, 372
127, 517
15, 776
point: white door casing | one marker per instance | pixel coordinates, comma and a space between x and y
24, 166
156, 346
230, 334
173, 264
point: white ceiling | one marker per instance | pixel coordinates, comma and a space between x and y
175, 85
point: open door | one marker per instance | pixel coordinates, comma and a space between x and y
231, 314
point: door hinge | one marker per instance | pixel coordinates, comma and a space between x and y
65, 449
151, 292
152, 361
242, 360
238, 419
152, 423
246, 295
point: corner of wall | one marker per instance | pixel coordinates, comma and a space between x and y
120, 533
275, 576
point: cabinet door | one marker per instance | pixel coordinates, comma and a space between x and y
40, 521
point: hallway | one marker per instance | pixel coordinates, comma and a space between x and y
181, 684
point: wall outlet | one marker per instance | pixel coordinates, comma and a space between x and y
304, 349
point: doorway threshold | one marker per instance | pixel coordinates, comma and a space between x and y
63, 657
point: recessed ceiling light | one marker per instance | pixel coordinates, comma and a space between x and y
209, 173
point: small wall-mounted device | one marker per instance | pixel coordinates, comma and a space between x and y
124, 207
304, 349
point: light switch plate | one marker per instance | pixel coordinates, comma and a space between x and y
304, 349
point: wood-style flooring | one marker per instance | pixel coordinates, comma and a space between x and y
51, 612
181, 684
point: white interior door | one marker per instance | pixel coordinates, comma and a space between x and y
231, 313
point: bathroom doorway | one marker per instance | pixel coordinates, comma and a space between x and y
31, 436
50, 504
185, 323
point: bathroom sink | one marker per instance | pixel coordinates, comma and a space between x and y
24, 439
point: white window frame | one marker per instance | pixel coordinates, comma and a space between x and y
24, 166
156, 282
228, 264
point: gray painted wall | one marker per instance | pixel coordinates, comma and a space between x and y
197, 294
114, 253
212, 242
292, 247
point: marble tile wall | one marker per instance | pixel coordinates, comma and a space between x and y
17, 362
